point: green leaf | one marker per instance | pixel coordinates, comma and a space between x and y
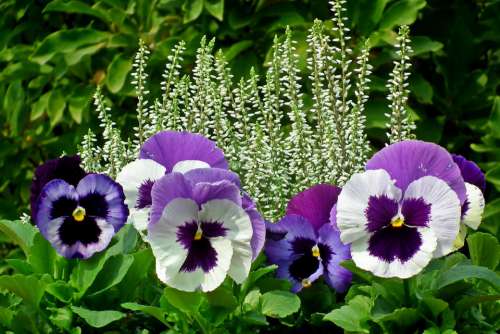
421, 88
365, 275
192, 10
215, 8
423, 44
61, 290
461, 272
67, 41
153, 311
279, 304
143, 260
19, 233
20, 266
39, 107
401, 12
117, 73
434, 305
492, 209
42, 256
187, 302
493, 176
222, 297
236, 49
112, 273
98, 319
13, 102
30, 288
494, 120
75, 7
484, 250
56, 106
354, 316
401, 318
61, 317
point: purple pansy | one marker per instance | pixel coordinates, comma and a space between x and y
66, 168
80, 221
403, 211
304, 245
201, 229
163, 153
473, 207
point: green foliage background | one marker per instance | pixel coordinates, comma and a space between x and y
54, 53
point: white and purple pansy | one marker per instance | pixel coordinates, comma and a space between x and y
80, 221
201, 230
305, 246
163, 153
403, 211
473, 207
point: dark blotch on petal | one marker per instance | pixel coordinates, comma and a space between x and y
416, 212
201, 254
380, 211
304, 266
326, 253
62, 207
65, 168
86, 231
144, 199
465, 208
95, 205
391, 243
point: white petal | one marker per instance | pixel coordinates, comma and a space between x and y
185, 166
460, 240
134, 174
139, 218
162, 236
353, 201
217, 274
364, 260
239, 231
445, 210
474, 213
183, 280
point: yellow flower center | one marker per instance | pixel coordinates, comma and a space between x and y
306, 283
198, 234
315, 251
79, 214
398, 222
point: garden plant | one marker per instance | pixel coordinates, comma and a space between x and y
211, 166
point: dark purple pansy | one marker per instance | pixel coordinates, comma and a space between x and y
470, 172
66, 168
80, 221
304, 245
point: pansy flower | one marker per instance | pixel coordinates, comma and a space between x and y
473, 207
403, 211
66, 168
305, 246
80, 221
163, 153
201, 230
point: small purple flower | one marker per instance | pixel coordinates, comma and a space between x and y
305, 246
201, 229
65, 168
81, 221
163, 153
403, 211
473, 207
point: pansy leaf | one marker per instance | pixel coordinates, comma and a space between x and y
62, 317
222, 297
117, 73
42, 256
19, 233
97, 319
363, 274
30, 288
20, 266
401, 12
153, 311
484, 250
354, 316
462, 272
61, 290
138, 271
279, 304
188, 302
398, 321
112, 273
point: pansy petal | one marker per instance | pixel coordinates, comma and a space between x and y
364, 259
57, 199
166, 189
204, 192
225, 254
134, 175
139, 218
470, 172
475, 206
239, 232
103, 198
212, 175
460, 240
444, 211
185, 166
170, 147
258, 225
354, 202
410, 160
314, 204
